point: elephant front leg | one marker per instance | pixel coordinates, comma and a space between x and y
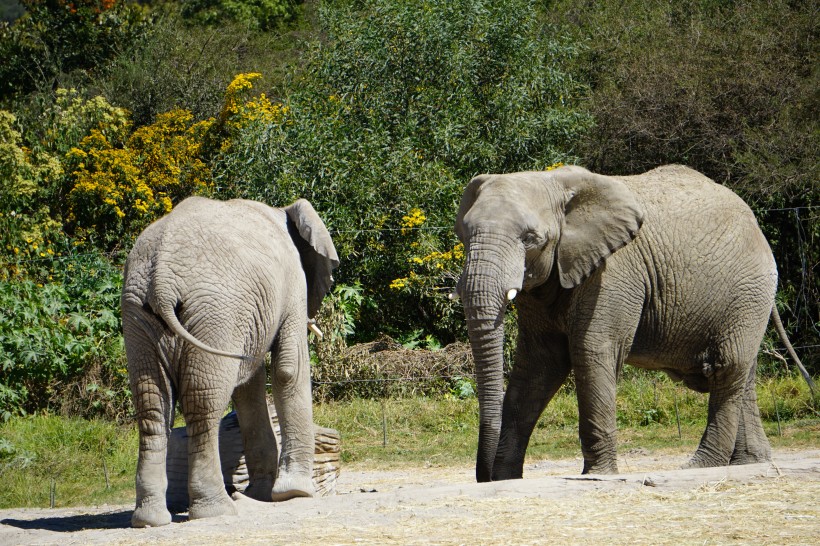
595, 378
294, 406
259, 442
541, 367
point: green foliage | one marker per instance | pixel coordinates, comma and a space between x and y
728, 88
379, 112
398, 106
196, 64
59, 120
25, 219
255, 14
10, 10
54, 334
56, 39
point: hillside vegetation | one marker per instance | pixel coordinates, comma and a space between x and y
379, 112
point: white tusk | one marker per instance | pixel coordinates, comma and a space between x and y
512, 294
452, 296
315, 329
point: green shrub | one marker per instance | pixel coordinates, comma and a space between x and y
196, 63
61, 333
56, 39
254, 14
728, 88
396, 109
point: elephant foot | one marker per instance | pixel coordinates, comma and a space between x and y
209, 508
507, 472
600, 468
150, 514
747, 457
289, 486
260, 489
700, 460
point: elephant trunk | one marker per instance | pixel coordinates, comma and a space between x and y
490, 273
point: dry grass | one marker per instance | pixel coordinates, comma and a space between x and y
780, 510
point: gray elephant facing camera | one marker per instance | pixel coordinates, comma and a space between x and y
208, 290
666, 270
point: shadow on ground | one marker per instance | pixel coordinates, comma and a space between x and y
70, 524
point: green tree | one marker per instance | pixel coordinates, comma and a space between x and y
56, 40
256, 14
397, 107
728, 88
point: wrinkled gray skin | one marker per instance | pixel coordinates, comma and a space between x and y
208, 290
666, 270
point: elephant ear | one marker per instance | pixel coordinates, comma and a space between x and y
316, 249
602, 215
467, 200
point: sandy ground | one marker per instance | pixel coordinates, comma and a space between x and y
651, 502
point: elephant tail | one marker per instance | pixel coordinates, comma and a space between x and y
166, 309
781, 331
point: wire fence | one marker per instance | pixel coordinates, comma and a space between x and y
75, 256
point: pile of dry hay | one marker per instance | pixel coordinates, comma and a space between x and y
385, 368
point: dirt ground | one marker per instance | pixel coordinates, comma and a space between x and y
651, 502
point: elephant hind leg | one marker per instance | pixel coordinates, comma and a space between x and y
751, 445
290, 378
153, 400
727, 376
259, 442
205, 392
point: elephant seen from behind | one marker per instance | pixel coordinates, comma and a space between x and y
208, 290
666, 270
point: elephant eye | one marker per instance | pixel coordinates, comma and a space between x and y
531, 238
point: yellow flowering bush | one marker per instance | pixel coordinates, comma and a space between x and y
119, 183
431, 272
119, 188
26, 227
413, 219
73, 117
243, 108
436, 270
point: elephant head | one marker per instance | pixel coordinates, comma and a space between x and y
316, 249
517, 229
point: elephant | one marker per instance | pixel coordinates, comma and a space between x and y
665, 270
208, 290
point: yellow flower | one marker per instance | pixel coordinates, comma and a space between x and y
412, 220
398, 284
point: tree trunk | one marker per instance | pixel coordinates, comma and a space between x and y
326, 462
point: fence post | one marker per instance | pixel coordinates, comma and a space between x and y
677, 414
